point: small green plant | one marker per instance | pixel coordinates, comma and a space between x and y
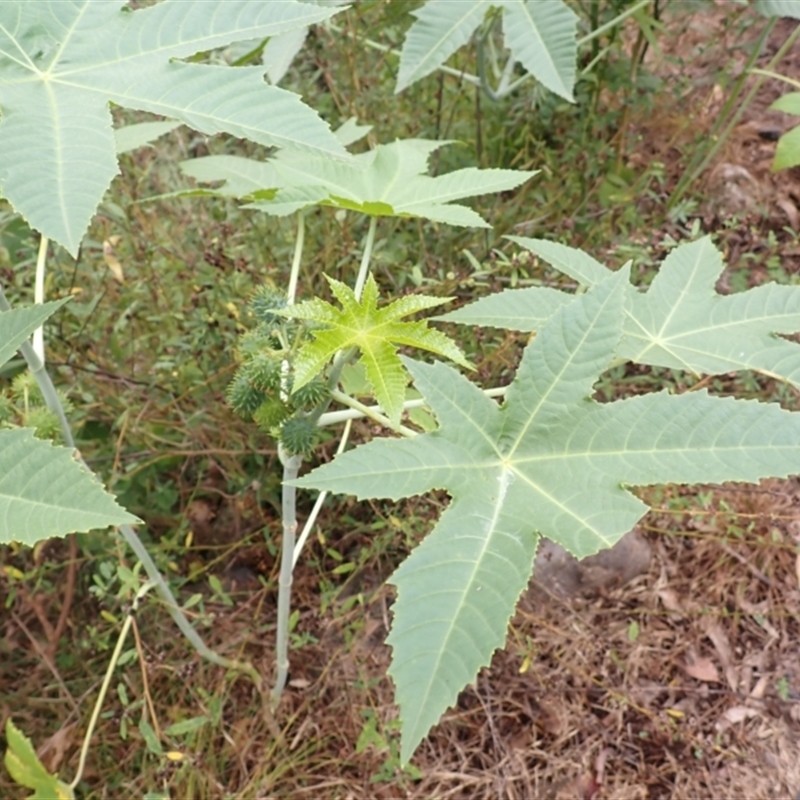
371, 736
23, 405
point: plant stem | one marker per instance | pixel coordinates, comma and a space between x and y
291, 466
776, 75
601, 29
363, 269
485, 85
373, 412
312, 517
126, 625
336, 417
38, 295
291, 292
506, 85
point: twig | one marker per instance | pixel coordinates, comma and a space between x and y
107, 680
69, 595
739, 557
145, 681
47, 660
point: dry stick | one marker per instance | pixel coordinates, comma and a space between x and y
38, 611
145, 681
47, 660
132, 538
107, 681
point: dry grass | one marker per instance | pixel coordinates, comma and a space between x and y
700, 698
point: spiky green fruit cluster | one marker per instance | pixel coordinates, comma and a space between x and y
298, 435
242, 396
22, 405
264, 302
263, 371
44, 422
310, 395
25, 389
271, 413
261, 388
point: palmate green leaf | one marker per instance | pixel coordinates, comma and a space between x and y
386, 181
580, 266
63, 61
680, 322
513, 309
281, 50
548, 462
132, 137
44, 492
376, 332
779, 8
540, 36
441, 28
19, 323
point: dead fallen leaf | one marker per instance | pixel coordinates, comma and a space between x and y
52, 751
112, 262
584, 787
734, 715
790, 209
719, 639
760, 689
669, 597
702, 669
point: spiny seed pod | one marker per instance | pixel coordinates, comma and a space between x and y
66, 403
271, 413
311, 395
298, 435
242, 396
259, 340
263, 371
44, 421
24, 386
264, 302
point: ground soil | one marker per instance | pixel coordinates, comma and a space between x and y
683, 683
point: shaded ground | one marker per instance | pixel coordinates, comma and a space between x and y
684, 683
